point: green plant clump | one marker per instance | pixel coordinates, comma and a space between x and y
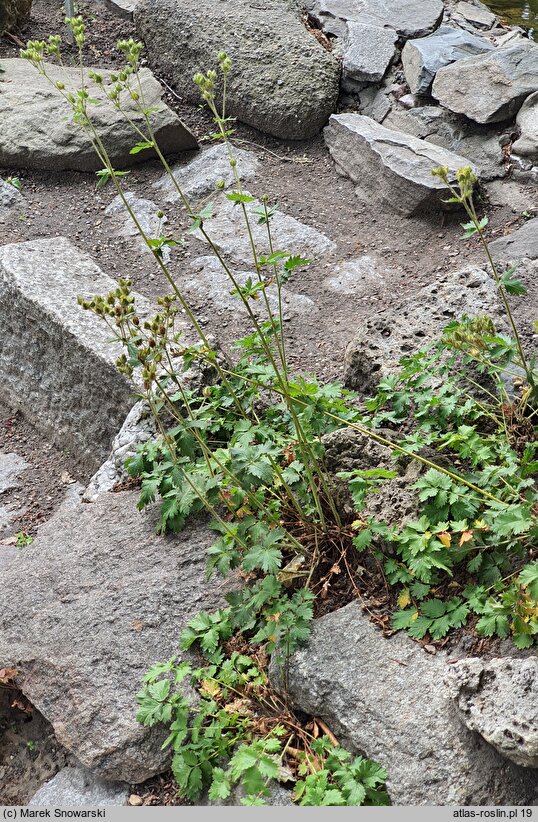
246, 446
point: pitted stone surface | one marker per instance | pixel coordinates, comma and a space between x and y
498, 698
386, 698
384, 338
282, 82
38, 129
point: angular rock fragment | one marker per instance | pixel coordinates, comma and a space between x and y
200, 175
384, 338
10, 197
521, 243
490, 87
56, 360
385, 698
282, 81
410, 18
476, 13
85, 611
146, 213
226, 228
498, 698
527, 120
368, 52
38, 129
76, 786
423, 58
390, 167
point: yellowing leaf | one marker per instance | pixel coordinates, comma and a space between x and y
466, 536
404, 599
445, 538
358, 523
415, 616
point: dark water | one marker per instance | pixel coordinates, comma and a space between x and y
518, 13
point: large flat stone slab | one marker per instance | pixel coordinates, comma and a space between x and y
410, 18
386, 698
201, 174
38, 129
85, 611
391, 167
490, 87
282, 81
56, 361
226, 228
422, 58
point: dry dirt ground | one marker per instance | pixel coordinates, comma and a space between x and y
301, 178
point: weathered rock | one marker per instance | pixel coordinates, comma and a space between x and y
410, 18
527, 120
511, 194
490, 87
389, 166
147, 215
56, 361
386, 698
279, 795
86, 610
498, 699
358, 277
200, 175
520, 244
123, 8
478, 144
13, 12
9, 197
395, 501
368, 52
11, 467
384, 338
282, 81
38, 129
423, 58
227, 230
209, 277
139, 427
76, 786
476, 13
